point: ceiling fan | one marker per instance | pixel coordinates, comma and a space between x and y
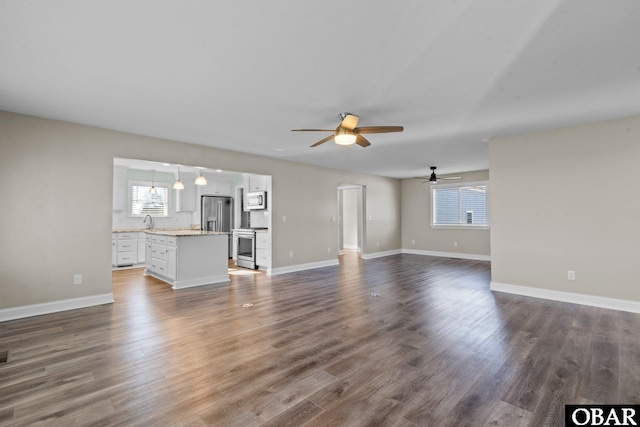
347, 133
433, 179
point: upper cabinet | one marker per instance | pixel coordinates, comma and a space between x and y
119, 188
216, 188
186, 198
254, 182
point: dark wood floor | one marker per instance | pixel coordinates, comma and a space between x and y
436, 348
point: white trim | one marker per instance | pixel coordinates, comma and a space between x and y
583, 299
54, 306
350, 246
181, 284
432, 205
302, 267
381, 254
463, 226
475, 257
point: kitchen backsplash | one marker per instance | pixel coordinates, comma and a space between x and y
120, 220
259, 219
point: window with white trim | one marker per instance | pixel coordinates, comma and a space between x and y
143, 203
459, 205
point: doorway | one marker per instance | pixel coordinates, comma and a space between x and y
351, 215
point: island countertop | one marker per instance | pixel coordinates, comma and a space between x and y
180, 233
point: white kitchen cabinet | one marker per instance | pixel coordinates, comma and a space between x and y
159, 255
262, 250
126, 248
201, 260
147, 251
252, 182
217, 188
114, 249
186, 198
141, 248
172, 260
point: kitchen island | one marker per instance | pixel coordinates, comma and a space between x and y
187, 258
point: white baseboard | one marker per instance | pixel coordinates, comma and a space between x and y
458, 255
381, 254
592, 300
350, 246
54, 306
182, 284
301, 267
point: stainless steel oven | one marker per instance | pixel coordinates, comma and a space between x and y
245, 248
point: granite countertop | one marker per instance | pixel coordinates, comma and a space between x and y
184, 232
169, 231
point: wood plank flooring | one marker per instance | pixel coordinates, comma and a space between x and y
436, 348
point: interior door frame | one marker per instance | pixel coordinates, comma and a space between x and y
360, 218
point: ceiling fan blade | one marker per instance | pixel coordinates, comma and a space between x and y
349, 122
449, 177
379, 129
312, 130
362, 141
421, 177
322, 141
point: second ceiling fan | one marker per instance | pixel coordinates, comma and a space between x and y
348, 133
433, 179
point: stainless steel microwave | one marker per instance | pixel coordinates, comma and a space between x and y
256, 200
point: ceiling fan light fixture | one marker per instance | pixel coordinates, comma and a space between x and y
345, 137
433, 179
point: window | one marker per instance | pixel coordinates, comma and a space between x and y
462, 205
144, 203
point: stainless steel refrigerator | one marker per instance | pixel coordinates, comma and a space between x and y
216, 214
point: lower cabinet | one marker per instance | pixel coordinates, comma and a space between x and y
141, 247
147, 252
262, 250
202, 259
162, 257
114, 249
126, 248
172, 262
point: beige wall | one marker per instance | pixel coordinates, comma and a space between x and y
49, 169
568, 200
416, 222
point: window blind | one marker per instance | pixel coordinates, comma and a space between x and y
460, 205
144, 203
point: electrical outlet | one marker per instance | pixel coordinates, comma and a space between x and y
290, 254
377, 243
369, 217
455, 244
328, 250
284, 218
413, 242
77, 279
571, 275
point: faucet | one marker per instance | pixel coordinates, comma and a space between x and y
150, 225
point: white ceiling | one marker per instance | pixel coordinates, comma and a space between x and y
239, 75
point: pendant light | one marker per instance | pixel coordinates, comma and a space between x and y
201, 180
178, 185
153, 190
